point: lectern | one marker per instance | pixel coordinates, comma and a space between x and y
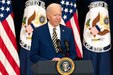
82, 67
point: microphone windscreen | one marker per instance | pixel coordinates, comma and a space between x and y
66, 44
59, 44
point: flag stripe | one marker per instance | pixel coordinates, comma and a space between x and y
9, 58
2, 69
9, 32
76, 22
76, 32
0, 73
11, 23
6, 64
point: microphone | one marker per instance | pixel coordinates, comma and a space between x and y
67, 47
59, 46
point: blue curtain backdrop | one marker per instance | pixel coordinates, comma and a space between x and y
18, 7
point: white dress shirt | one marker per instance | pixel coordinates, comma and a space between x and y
51, 30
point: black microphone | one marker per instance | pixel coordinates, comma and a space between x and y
67, 47
59, 46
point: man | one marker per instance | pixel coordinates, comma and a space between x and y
43, 47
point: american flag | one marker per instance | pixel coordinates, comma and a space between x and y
70, 18
9, 60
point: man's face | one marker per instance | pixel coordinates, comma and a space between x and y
54, 16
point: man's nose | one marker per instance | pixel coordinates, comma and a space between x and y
58, 17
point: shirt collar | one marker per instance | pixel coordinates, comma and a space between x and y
51, 27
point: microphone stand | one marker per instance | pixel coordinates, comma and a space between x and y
59, 47
67, 48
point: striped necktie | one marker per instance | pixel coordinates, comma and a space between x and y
54, 39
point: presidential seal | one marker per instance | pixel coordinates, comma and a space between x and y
65, 66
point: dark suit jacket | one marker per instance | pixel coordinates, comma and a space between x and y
42, 47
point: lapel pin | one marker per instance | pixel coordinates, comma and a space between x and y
63, 30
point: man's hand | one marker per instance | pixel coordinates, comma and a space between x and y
56, 59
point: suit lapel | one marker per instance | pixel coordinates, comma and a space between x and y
48, 36
62, 30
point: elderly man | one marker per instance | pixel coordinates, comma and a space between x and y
44, 39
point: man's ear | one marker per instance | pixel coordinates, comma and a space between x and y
47, 16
